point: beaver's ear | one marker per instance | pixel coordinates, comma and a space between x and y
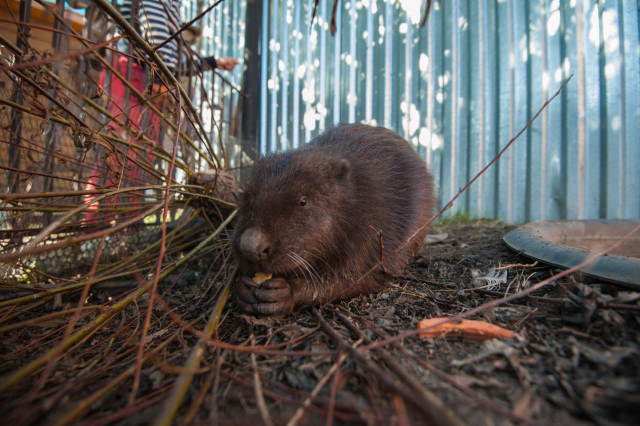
342, 170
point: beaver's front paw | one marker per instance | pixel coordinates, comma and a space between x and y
272, 297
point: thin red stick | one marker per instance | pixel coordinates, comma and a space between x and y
147, 321
450, 204
504, 300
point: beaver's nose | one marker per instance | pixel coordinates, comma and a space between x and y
254, 245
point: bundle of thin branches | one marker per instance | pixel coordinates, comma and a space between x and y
107, 314
97, 221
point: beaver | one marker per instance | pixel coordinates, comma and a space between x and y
311, 218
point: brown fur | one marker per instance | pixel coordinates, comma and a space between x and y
353, 177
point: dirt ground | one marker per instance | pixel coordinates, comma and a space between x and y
575, 359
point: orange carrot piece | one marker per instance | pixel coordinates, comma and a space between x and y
261, 277
468, 328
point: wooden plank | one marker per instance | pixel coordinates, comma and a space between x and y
263, 80
519, 164
490, 107
464, 77
323, 29
351, 61
388, 50
476, 107
296, 113
631, 108
503, 21
571, 144
273, 77
552, 174
283, 69
379, 64
309, 122
408, 77
610, 58
534, 135
337, 63
592, 88
437, 60
368, 77
445, 81
397, 77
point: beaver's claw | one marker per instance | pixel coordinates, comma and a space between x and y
273, 297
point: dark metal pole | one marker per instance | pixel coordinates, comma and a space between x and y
16, 116
251, 86
55, 130
57, 37
25, 16
132, 21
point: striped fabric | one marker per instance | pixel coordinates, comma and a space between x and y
156, 26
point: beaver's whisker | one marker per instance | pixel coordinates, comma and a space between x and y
317, 257
293, 269
310, 268
300, 265
306, 266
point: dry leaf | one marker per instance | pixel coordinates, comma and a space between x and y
97, 93
33, 160
39, 109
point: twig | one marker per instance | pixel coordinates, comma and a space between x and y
139, 95
11, 380
257, 386
30, 250
106, 6
433, 416
240, 348
401, 410
83, 405
74, 318
513, 297
27, 323
145, 327
187, 25
351, 418
183, 382
450, 203
497, 408
381, 246
430, 400
516, 265
426, 13
18, 66
300, 411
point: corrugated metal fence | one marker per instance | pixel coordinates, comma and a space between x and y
461, 87
223, 30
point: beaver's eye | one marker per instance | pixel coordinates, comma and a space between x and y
303, 202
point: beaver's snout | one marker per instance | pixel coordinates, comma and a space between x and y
254, 245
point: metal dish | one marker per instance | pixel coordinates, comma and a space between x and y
568, 243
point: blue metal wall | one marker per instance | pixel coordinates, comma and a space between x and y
223, 30
461, 87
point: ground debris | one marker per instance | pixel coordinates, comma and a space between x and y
575, 360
